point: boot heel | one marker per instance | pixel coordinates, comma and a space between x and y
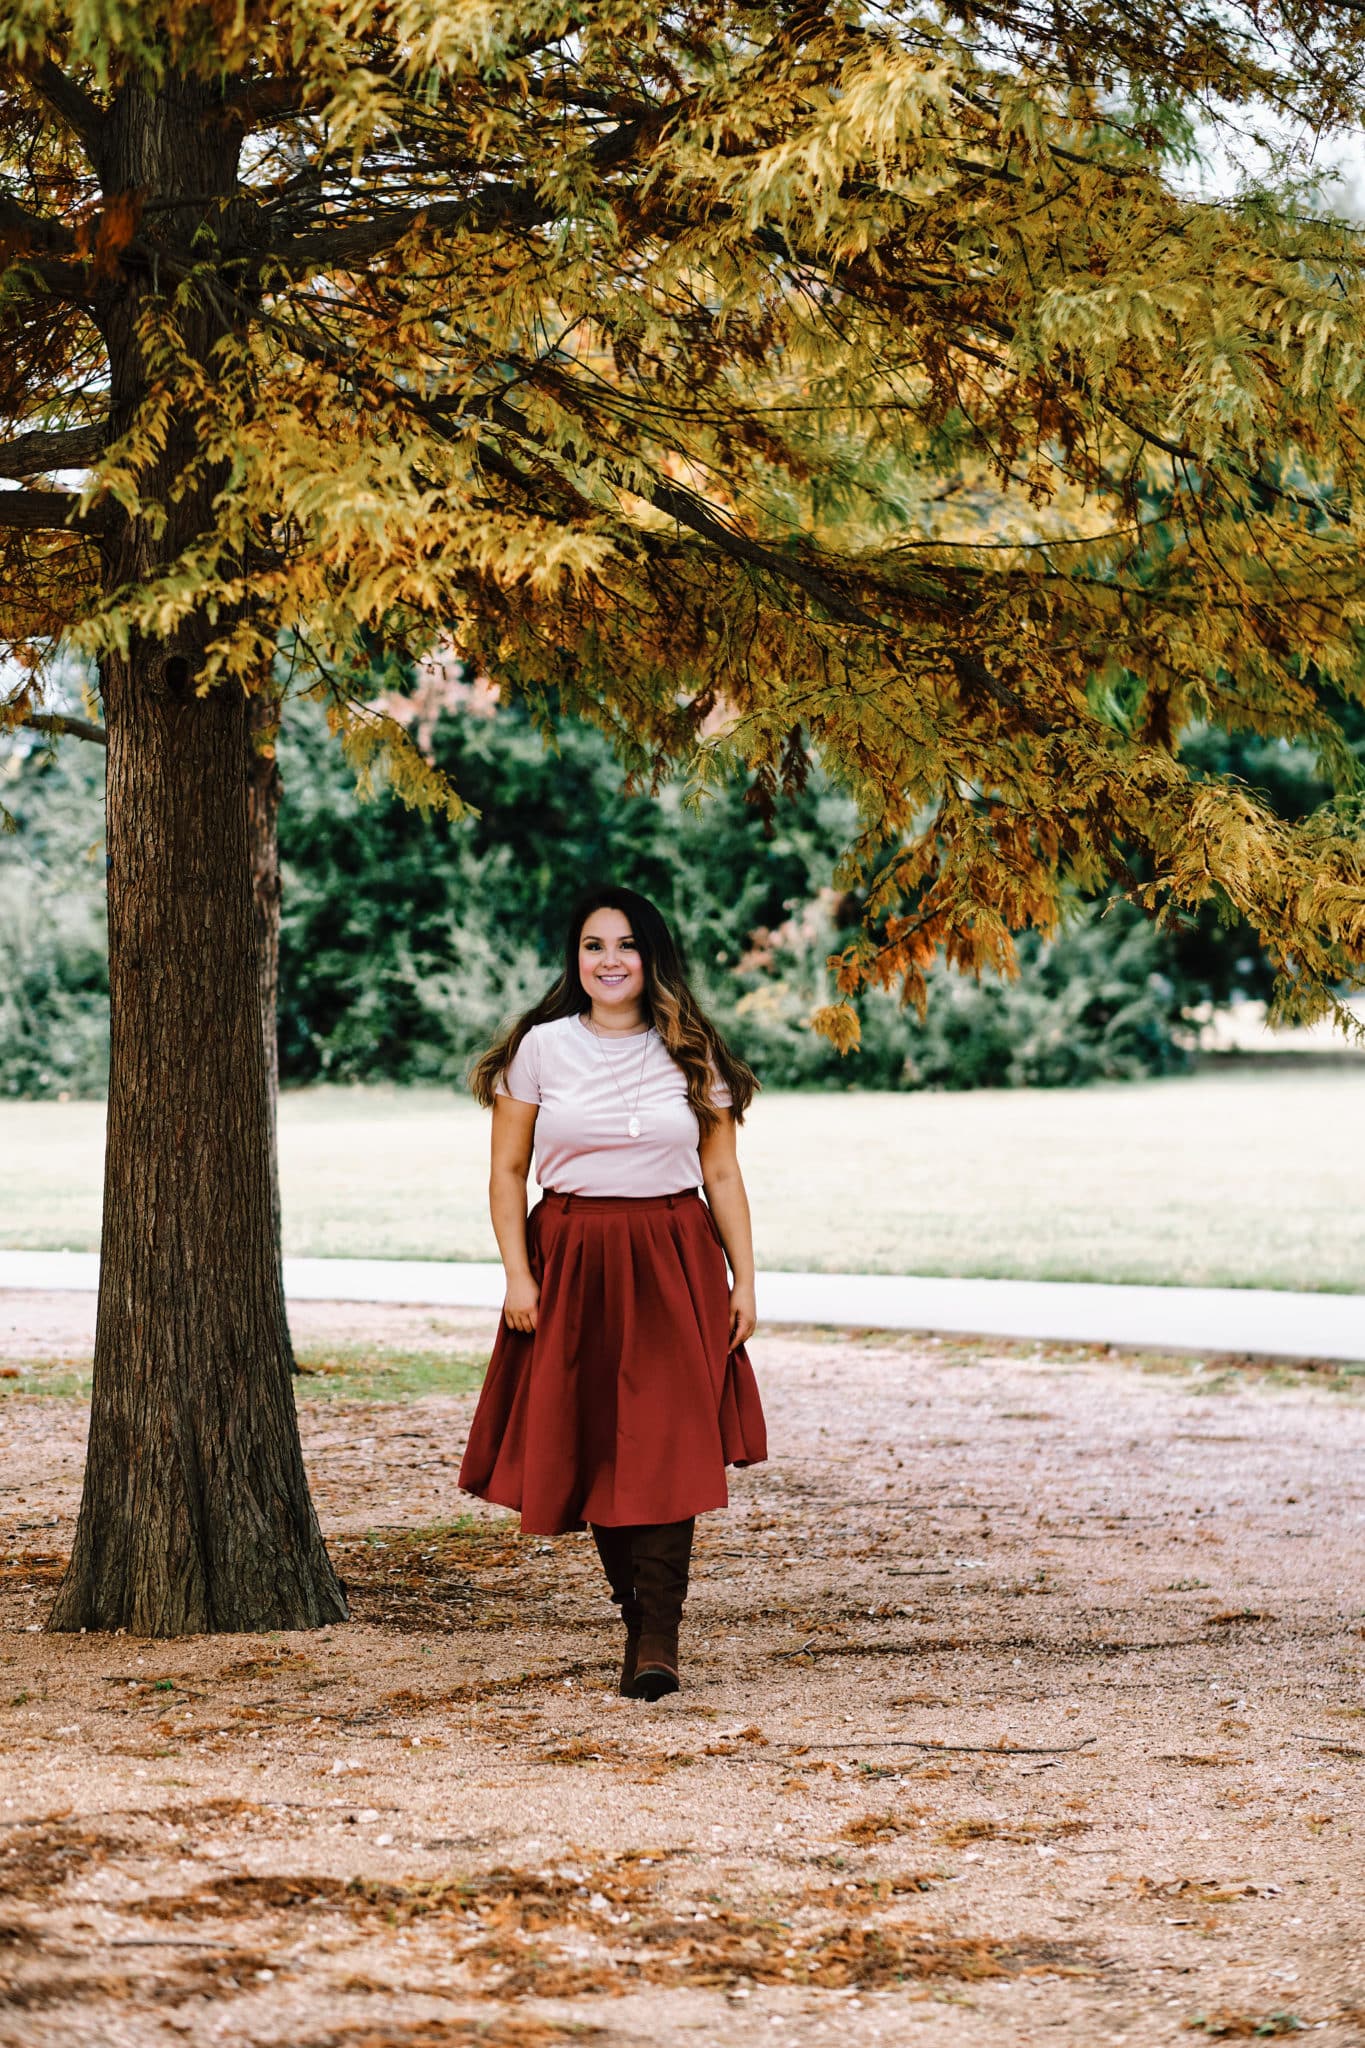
656, 1666
653, 1683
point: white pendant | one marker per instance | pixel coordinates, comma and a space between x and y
633, 1127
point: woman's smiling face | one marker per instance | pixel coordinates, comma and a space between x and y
609, 963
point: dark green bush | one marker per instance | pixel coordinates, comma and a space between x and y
54, 948
408, 941
1091, 1005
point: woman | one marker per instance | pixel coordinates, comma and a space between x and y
619, 1388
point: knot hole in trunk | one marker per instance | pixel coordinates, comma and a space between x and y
179, 676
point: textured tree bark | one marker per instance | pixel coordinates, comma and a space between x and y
195, 1513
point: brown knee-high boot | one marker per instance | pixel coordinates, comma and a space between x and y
615, 1550
661, 1554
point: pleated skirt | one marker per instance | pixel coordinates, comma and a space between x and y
624, 1405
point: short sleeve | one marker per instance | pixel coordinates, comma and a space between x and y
521, 1077
720, 1095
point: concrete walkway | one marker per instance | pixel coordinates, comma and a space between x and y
1159, 1318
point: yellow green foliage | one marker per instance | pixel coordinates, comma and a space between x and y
758, 378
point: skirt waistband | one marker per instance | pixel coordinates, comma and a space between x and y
569, 1203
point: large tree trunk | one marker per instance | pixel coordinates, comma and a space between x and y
196, 1513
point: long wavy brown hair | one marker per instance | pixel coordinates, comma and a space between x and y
687, 1033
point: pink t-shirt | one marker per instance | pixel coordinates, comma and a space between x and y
587, 1089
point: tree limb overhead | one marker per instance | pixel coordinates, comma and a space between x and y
80, 113
51, 512
33, 231
38, 454
71, 728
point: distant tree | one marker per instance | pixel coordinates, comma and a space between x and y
407, 943
54, 952
567, 332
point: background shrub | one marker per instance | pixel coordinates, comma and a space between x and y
407, 941
54, 946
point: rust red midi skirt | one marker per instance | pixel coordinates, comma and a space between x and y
623, 1406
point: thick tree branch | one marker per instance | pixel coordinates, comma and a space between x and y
18, 223
51, 512
38, 453
66, 99
494, 209
257, 102
72, 728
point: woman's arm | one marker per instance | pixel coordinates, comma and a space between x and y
514, 1126
724, 1186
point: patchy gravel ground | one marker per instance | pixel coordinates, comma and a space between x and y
1024, 1703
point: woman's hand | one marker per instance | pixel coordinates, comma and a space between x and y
743, 1315
723, 1186
522, 1304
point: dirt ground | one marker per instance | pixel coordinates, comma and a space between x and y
1023, 1703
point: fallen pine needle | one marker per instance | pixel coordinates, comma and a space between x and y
959, 1748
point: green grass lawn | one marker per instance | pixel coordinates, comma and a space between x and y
341, 1372
1245, 1175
